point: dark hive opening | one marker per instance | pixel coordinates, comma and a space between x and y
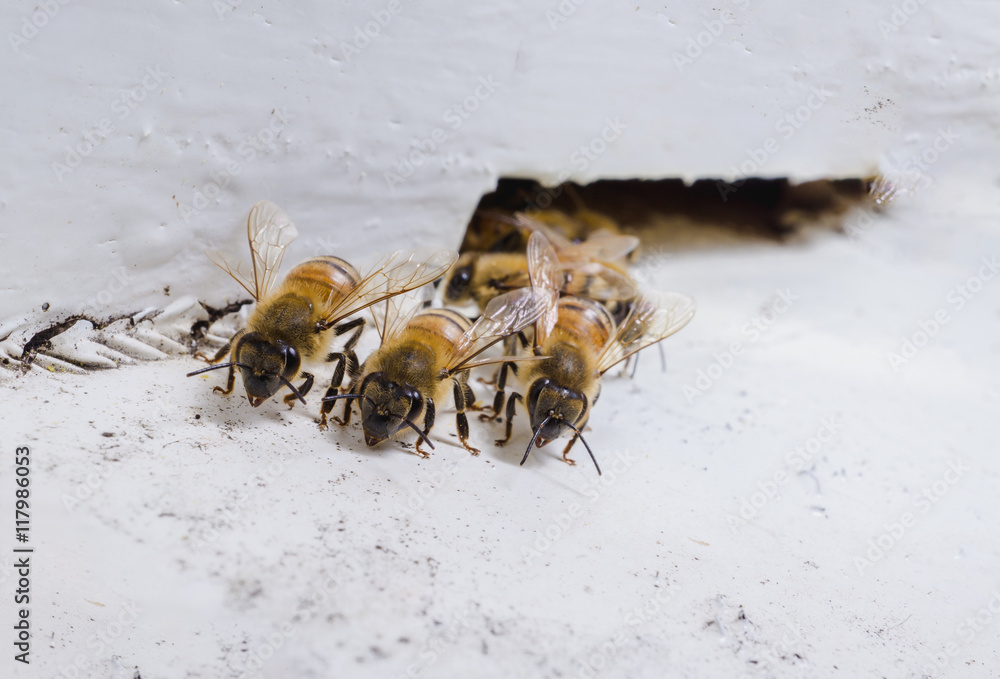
706, 213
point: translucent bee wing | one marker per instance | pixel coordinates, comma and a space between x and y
269, 231
508, 313
504, 315
528, 223
393, 275
396, 313
604, 283
543, 271
238, 270
602, 245
654, 317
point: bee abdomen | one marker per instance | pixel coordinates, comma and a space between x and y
586, 320
324, 274
444, 323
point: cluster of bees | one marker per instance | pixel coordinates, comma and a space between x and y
552, 290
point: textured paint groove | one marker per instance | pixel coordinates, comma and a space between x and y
80, 344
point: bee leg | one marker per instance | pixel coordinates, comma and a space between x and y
489, 382
511, 407
343, 422
307, 384
221, 353
358, 323
290, 399
338, 371
347, 353
460, 418
327, 407
218, 356
566, 458
509, 349
501, 387
470, 398
428, 423
230, 382
629, 366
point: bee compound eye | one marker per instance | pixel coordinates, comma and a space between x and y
535, 391
415, 406
291, 356
459, 282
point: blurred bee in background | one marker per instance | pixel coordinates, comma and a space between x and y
582, 342
294, 324
493, 227
492, 230
594, 268
423, 354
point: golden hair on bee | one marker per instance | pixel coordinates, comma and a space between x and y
294, 323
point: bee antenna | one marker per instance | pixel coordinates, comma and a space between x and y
216, 367
534, 438
420, 433
339, 396
580, 434
287, 383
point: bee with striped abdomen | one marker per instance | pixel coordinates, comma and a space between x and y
424, 355
594, 268
582, 342
293, 324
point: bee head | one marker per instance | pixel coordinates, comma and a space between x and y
265, 366
387, 407
459, 279
551, 407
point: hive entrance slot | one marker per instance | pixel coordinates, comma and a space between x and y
706, 213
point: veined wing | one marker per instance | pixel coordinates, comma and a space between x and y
528, 223
598, 281
545, 275
608, 247
393, 275
269, 231
396, 314
654, 317
240, 271
504, 315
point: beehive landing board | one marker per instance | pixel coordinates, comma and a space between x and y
186, 535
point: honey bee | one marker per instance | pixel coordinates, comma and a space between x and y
493, 227
423, 354
491, 230
294, 323
582, 342
593, 269
578, 227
